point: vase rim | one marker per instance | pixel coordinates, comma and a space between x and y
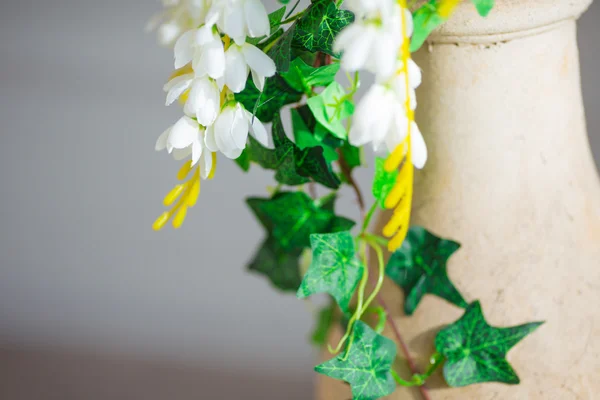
509, 19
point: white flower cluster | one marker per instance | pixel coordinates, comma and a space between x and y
378, 42
213, 61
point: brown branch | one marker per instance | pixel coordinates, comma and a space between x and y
411, 364
347, 172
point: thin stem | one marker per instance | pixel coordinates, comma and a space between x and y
292, 18
401, 381
356, 316
293, 9
367, 219
402, 343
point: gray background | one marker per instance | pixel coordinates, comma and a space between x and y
80, 269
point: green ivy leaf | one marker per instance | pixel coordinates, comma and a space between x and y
476, 351
317, 28
334, 268
367, 368
294, 166
308, 133
330, 108
281, 52
483, 6
303, 77
425, 20
419, 267
325, 319
276, 16
282, 267
291, 217
352, 155
265, 105
383, 181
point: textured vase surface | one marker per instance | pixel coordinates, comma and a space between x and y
510, 176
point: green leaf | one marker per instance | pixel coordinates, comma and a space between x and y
335, 269
243, 161
330, 108
368, 365
265, 105
476, 351
425, 20
282, 267
419, 267
307, 134
303, 77
317, 28
483, 6
276, 16
324, 321
352, 155
281, 52
294, 166
383, 181
291, 217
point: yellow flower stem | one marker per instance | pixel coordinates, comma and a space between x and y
447, 7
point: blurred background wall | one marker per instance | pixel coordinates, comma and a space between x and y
84, 283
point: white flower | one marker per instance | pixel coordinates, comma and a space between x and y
230, 131
178, 17
239, 60
240, 18
204, 49
203, 100
381, 119
374, 41
186, 138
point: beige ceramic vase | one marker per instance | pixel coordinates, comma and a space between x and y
511, 177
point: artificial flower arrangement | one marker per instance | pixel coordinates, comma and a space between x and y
236, 68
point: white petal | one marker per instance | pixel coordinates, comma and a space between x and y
383, 61
203, 101
259, 80
233, 154
180, 154
258, 129
184, 49
418, 147
196, 151
256, 18
176, 86
409, 22
258, 61
184, 133
235, 26
204, 35
161, 142
168, 33
236, 70
356, 55
345, 38
209, 139
414, 74
239, 130
207, 164
222, 131
213, 58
